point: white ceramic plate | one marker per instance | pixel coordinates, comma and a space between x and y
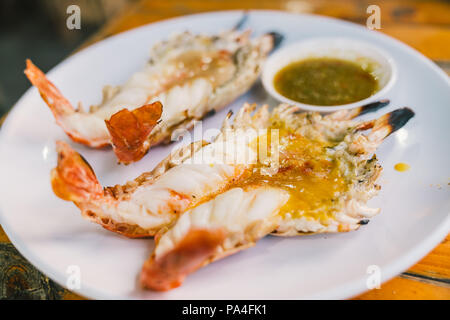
51, 234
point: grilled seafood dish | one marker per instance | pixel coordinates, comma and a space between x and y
141, 207
329, 166
186, 78
230, 222
326, 173
315, 175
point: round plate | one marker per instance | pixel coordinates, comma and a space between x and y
51, 234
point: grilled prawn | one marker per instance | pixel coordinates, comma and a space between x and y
187, 77
328, 165
154, 200
325, 174
316, 177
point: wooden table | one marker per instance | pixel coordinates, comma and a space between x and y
424, 25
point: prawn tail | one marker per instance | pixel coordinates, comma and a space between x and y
381, 129
195, 250
130, 130
343, 115
390, 122
57, 103
73, 178
370, 107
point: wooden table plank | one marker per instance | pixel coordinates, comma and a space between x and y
3, 236
436, 264
424, 25
401, 288
432, 41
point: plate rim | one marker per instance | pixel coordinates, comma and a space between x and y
343, 291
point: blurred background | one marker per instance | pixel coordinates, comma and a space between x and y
36, 29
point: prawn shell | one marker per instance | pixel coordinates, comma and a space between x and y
169, 271
130, 130
73, 179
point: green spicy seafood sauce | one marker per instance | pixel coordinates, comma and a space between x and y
325, 82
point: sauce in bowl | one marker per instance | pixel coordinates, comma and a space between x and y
325, 81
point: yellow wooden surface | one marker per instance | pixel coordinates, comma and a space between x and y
3, 236
405, 288
424, 25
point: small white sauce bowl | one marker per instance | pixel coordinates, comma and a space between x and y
382, 65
